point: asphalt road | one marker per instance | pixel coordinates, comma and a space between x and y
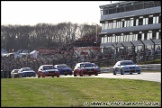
149, 76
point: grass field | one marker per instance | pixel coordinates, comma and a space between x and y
75, 92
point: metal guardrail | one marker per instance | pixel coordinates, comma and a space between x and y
143, 67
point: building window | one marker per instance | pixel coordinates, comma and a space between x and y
149, 35
160, 35
160, 19
123, 23
150, 20
145, 36
114, 24
109, 39
130, 37
154, 35
139, 36
157, 35
109, 25
134, 23
140, 21
133, 36
121, 38
116, 38
126, 38
106, 39
131, 22
128, 23
113, 38
106, 25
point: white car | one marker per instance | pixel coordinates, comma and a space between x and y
126, 66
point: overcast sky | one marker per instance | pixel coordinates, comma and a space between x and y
52, 12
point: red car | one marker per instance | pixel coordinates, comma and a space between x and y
47, 70
85, 68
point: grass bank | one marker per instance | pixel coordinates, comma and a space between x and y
74, 92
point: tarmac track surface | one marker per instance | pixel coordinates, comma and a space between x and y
149, 76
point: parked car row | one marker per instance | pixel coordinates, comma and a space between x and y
80, 69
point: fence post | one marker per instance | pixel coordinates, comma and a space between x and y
143, 50
153, 49
134, 53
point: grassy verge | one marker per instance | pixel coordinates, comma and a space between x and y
74, 92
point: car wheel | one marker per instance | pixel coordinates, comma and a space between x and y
121, 72
89, 74
20, 75
96, 74
81, 73
58, 75
114, 72
130, 72
43, 76
39, 75
75, 74
139, 72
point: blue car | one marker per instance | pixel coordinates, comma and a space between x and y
63, 69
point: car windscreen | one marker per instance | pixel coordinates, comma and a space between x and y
126, 63
15, 71
62, 67
48, 67
27, 69
87, 65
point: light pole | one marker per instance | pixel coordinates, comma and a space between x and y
96, 33
16, 41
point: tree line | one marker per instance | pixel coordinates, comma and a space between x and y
44, 35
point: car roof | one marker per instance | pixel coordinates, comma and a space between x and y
85, 63
15, 69
125, 61
60, 65
46, 65
25, 67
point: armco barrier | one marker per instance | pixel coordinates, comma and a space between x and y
143, 67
